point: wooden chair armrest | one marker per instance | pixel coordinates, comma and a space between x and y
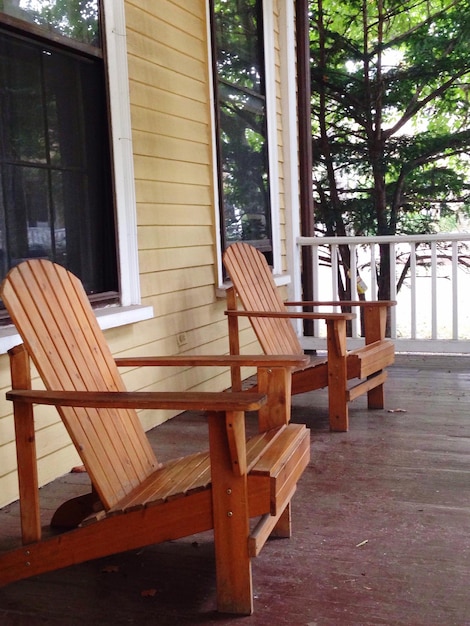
284, 360
293, 315
375, 313
187, 401
359, 303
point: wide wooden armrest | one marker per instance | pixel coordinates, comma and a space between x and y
187, 401
284, 360
359, 303
292, 315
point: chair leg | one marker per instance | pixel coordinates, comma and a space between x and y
338, 409
283, 527
231, 525
375, 326
376, 398
337, 375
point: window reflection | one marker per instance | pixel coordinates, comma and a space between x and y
76, 19
242, 122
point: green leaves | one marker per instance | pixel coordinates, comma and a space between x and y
390, 112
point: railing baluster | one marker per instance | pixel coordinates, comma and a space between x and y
316, 273
354, 295
431, 315
455, 291
433, 290
413, 288
393, 289
373, 272
334, 271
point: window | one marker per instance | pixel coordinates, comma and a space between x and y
56, 194
240, 90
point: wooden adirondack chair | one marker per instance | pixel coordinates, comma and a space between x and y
140, 500
253, 283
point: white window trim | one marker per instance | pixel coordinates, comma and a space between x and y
130, 309
271, 118
215, 173
290, 143
116, 47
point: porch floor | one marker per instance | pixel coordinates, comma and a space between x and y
381, 526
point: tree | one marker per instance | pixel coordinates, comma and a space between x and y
391, 117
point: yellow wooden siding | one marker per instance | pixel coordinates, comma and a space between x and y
176, 228
171, 133
175, 214
171, 122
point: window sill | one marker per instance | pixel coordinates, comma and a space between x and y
279, 279
108, 317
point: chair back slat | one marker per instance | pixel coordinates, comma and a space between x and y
253, 281
52, 314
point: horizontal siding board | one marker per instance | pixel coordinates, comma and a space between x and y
7, 430
168, 153
60, 463
169, 124
9, 488
151, 237
155, 99
48, 441
179, 321
147, 73
167, 45
157, 214
187, 301
181, 172
166, 193
185, 17
157, 44
160, 260
179, 280
5, 407
8, 457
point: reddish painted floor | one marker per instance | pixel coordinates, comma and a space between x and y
381, 527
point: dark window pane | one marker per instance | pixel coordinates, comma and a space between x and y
22, 112
28, 219
63, 84
55, 183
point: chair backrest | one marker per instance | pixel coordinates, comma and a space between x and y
52, 314
253, 281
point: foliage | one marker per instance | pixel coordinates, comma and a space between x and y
390, 115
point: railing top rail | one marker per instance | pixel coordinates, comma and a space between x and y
318, 241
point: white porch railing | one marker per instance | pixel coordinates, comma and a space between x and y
433, 302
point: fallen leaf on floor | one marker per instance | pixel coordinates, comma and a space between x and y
79, 469
397, 410
362, 543
148, 593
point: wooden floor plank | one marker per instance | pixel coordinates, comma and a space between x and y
381, 526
